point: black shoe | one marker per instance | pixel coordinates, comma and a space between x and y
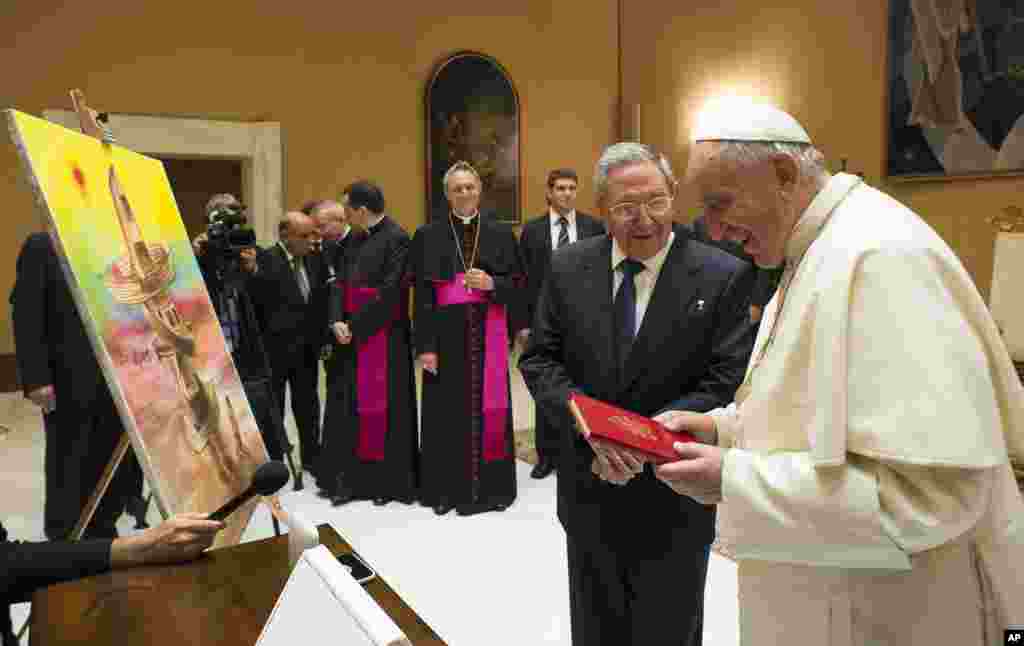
325, 493
381, 501
442, 509
340, 499
543, 469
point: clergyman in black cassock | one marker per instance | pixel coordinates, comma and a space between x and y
465, 265
371, 443
560, 226
53, 349
637, 557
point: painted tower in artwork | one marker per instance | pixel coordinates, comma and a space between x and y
143, 277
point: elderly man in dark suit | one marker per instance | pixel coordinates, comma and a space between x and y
647, 319
285, 294
559, 227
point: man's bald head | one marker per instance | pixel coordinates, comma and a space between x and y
297, 232
330, 219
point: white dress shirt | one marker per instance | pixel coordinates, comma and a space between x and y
556, 228
302, 269
644, 281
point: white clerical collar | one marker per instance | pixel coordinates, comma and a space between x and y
466, 219
653, 263
814, 218
555, 217
370, 225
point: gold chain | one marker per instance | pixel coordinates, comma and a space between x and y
458, 244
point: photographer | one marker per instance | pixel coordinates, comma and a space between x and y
227, 255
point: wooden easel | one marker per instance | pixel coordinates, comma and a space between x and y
90, 121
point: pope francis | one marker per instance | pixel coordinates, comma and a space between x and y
864, 476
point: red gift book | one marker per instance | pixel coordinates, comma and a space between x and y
625, 428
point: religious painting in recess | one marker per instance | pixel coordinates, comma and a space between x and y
473, 116
137, 285
956, 88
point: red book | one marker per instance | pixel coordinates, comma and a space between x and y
625, 428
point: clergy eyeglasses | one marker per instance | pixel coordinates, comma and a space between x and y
656, 206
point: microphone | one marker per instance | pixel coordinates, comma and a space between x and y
269, 477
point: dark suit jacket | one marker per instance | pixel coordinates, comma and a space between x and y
289, 324
535, 246
767, 280
690, 353
51, 343
26, 567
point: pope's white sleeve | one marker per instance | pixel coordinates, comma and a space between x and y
727, 421
864, 514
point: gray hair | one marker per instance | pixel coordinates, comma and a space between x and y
625, 153
807, 158
463, 166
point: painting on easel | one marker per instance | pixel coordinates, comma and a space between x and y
137, 285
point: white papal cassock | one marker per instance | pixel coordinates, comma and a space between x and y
868, 492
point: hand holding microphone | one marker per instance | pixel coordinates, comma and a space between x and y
268, 479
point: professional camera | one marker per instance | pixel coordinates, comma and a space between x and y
227, 233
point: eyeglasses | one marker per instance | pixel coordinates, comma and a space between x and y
656, 206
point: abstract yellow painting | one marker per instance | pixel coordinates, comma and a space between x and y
139, 291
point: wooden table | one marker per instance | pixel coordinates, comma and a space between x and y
225, 597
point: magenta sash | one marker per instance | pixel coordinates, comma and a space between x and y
454, 292
371, 377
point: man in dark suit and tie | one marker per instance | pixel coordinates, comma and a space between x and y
542, 236
649, 320
284, 291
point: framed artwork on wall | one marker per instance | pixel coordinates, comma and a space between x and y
956, 89
473, 115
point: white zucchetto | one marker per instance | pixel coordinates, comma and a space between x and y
734, 119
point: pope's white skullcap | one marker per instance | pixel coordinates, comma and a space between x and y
735, 119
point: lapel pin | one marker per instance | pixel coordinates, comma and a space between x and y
700, 304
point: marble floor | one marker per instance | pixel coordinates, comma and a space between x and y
439, 565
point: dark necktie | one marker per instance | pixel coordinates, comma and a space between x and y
625, 307
563, 232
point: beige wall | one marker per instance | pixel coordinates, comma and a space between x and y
346, 81
825, 62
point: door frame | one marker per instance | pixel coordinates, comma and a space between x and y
257, 145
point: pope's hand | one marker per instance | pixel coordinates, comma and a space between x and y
697, 475
699, 425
